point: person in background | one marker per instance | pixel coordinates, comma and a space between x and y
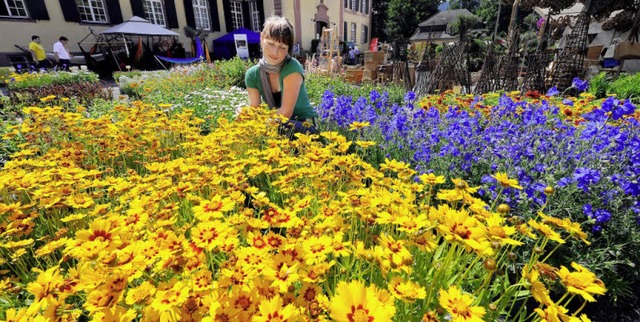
278, 79
352, 56
63, 56
38, 54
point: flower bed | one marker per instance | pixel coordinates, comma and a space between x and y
144, 217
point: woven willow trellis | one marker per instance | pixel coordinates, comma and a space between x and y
450, 70
571, 59
489, 80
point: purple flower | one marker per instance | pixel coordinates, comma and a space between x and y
586, 177
410, 96
553, 91
581, 85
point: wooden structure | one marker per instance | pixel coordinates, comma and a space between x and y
330, 59
571, 59
450, 71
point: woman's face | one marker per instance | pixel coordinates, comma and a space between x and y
274, 52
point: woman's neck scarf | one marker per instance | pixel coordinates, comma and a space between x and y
265, 69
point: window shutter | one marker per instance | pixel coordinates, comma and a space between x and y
70, 10
261, 9
37, 9
226, 7
172, 16
115, 14
246, 15
215, 18
346, 30
188, 13
137, 8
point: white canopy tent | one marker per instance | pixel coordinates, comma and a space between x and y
139, 27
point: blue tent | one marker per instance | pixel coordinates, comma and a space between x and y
225, 46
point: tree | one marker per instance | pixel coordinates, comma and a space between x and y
403, 17
378, 19
471, 5
488, 11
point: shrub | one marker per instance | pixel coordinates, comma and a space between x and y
28, 89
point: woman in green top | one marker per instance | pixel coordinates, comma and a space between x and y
278, 79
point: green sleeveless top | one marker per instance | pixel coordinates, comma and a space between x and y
303, 108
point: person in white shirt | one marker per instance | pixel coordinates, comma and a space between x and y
63, 56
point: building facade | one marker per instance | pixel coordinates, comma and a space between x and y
50, 19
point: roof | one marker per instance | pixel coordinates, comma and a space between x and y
138, 26
433, 35
443, 18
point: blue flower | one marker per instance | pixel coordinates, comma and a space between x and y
586, 177
553, 91
581, 85
410, 96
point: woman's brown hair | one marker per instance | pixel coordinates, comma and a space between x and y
279, 29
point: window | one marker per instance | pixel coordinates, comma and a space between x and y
154, 12
352, 5
364, 37
201, 14
13, 8
353, 32
92, 10
345, 30
365, 7
236, 14
255, 16
346, 3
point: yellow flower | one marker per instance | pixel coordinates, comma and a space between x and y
316, 249
503, 180
168, 302
581, 282
431, 179
355, 302
210, 235
213, 208
406, 291
572, 228
283, 277
358, 125
272, 310
552, 313
140, 293
47, 98
45, 286
459, 305
498, 232
459, 226
547, 231
365, 144
537, 288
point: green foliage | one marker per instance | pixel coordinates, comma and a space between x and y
29, 89
318, 84
54, 78
625, 86
471, 5
462, 24
403, 16
4, 75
